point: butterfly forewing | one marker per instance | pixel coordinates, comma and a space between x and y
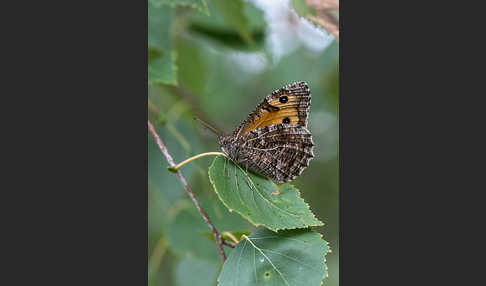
289, 104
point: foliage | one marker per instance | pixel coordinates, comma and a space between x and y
216, 60
291, 258
161, 56
258, 199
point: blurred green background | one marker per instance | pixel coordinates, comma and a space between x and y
219, 67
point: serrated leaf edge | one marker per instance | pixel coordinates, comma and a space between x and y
324, 259
175, 68
326, 269
319, 223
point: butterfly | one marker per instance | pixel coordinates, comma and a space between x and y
274, 140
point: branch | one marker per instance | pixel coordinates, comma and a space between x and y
324, 18
229, 243
324, 4
217, 237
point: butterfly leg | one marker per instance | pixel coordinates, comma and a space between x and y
247, 178
226, 168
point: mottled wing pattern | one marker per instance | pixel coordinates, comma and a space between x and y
291, 101
280, 151
274, 140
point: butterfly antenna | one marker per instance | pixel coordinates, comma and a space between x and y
210, 127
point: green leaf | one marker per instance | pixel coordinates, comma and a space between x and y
161, 56
233, 13
159, 23
254, 198
191, 271
291, 258
162, 68
216, 30
193, 65
199, 5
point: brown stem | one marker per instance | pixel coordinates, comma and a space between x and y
229, 243
323, 4
324, 18
217, 237
328, 23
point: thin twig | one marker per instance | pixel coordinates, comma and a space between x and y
217, 237
324, 4
229, 243
324, 18
327, 22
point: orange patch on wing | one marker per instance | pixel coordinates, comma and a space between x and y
287, 110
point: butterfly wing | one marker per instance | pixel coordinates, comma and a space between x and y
274, 140
287, 105
278, 151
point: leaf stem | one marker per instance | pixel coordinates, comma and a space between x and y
229, 243
230, 235
217, 236
178, 166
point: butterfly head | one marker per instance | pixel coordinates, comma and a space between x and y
225, 142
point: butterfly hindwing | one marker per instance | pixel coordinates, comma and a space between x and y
279, 151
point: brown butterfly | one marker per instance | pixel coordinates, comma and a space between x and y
273, 140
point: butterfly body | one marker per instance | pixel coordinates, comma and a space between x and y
273, 140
